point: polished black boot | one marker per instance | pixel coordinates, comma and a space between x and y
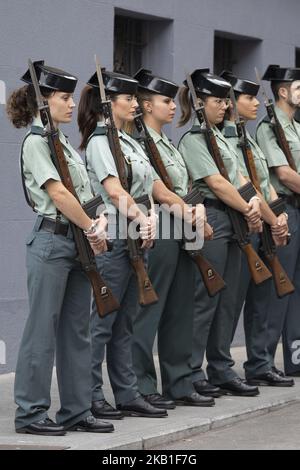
194, 399
103, 410
141, 408
44, 427
271, 379
91, 424
158, 401
238, 388
203, 387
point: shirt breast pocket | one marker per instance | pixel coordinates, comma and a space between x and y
169, 164
229, 163
295, 149
75, 173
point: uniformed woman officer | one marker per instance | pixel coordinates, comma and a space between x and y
258, 368
171, 271
115, 331
213, 320
59, 292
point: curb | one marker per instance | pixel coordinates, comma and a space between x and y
206, 425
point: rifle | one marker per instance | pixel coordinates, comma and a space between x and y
257, 268
278, 130
147, 294
211, 278
104, 299
282, 283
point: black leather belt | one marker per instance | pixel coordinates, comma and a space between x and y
50, 225
216, 203
292, 199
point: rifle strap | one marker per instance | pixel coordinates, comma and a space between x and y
35, 130
102, 130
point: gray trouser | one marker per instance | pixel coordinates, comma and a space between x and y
283, 314
114, 331
171, 272
256, 298
214, 317
59, 308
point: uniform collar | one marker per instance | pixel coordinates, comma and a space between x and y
37, 122
158, 137
283, 117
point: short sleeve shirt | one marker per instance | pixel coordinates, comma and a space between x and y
229, 131
200, 163
100, 165
267, 141
173, 162
38, 168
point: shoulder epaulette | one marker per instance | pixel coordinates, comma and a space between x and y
36, 130
100, 130
230, 131
196, 130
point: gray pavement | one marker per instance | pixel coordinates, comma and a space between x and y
145, 433
277, 430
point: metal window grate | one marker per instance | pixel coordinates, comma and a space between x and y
129, 43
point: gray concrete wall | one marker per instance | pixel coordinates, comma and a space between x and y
67, 34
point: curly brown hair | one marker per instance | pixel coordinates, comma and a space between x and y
22, 106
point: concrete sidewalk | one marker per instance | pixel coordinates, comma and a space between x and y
145, 433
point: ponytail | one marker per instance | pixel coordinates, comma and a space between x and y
185, 105
22, 106
88, 113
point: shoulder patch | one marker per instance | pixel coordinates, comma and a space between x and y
100, 131
230, 131
36, 130
196, 130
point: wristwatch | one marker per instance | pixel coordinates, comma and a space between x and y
92, 228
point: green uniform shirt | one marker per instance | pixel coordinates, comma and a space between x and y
39, 168
229, 131
200, 163
173, 162
267, 141
101, 164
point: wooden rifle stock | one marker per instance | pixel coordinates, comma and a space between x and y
258, 269
282, 283
104, 299
212, 280
147, 294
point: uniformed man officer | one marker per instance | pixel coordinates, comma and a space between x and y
284, 313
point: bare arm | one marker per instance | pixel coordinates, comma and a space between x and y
67, 204
288, 177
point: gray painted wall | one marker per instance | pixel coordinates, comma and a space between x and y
67, 33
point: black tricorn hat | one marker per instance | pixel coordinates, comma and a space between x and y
51, 78
209, 84
275, 73
115, 82
245, 87
161, 86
